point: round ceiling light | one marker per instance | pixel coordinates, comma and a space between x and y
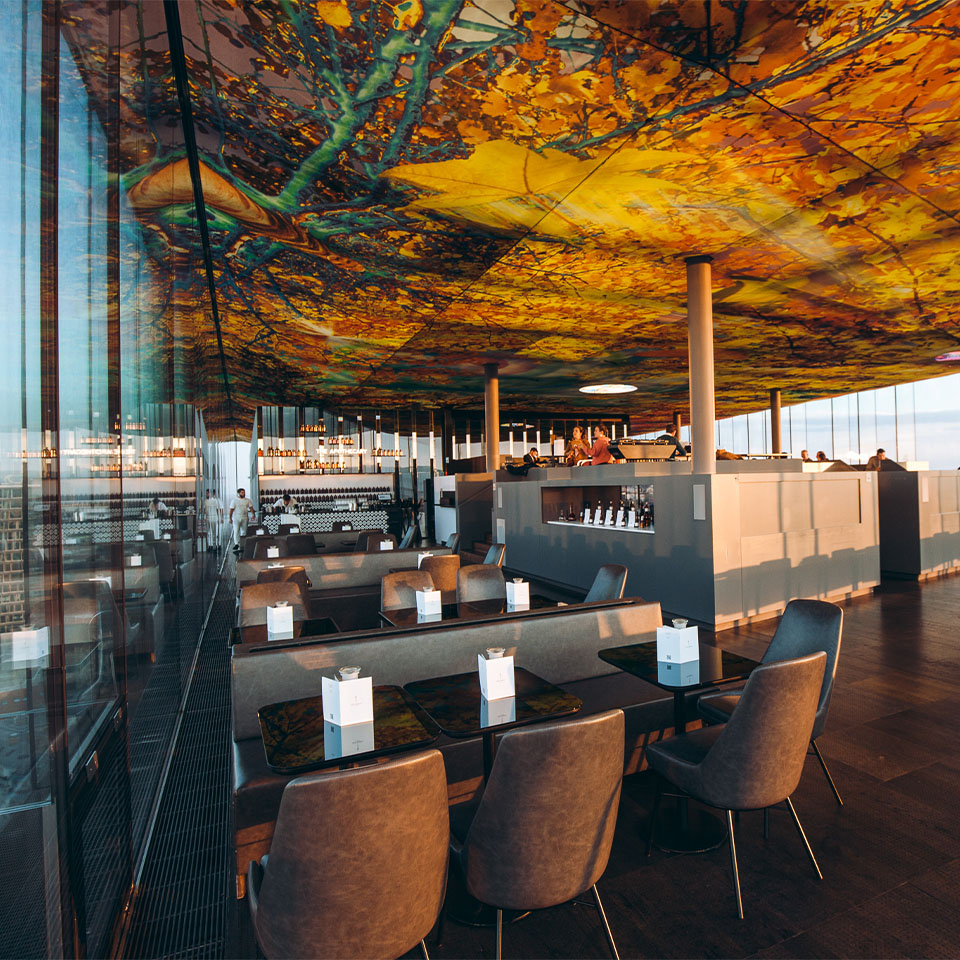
948, 357
608, 388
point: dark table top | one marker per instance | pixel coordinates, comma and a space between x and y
456, 705
716, 666
451, 610
296, 738
318, 627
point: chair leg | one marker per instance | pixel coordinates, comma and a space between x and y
653, 813
733, 863
499, 934
803, 837
423, 947
606, 925
826, 772
766, 823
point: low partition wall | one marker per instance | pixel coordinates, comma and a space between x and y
919, 523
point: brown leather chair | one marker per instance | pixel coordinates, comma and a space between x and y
369, 542
543, 829
495, 554
262, 547
754, 761
255, 599
805, 627
608, 584
480, 581
251, 540
358, 862
301, 545
297, 575
443, 570
398, 590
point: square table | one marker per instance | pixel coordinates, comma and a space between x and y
472, 610
458, 708
257, 632
686, 831
297, 739
716, 667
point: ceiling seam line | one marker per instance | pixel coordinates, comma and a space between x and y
179, 66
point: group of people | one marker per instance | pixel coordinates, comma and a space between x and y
874, 463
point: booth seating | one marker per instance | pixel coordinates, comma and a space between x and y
343, 574
255, 599
560, 647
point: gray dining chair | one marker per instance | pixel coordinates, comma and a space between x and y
495, 554
255, 598
398, 590
805, 627
443, 569
262, 546
453, 542
357, 864
542, 832
608, 584
755, 760
375, 541
480, 581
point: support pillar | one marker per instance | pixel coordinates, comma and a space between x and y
677, 421
491, 414
703, 413
775, 441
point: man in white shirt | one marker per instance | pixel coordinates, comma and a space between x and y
157, 508
286, 504
241, 512
214, 511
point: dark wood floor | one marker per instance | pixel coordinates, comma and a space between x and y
890, 858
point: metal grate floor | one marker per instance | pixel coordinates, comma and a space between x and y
182, 902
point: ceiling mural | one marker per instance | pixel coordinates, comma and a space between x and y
400, 192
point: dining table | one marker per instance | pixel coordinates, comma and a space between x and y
297, 739
682, 829
302, 629
451, 609
459, 709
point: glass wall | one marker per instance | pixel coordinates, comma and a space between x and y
103, 462
911, 421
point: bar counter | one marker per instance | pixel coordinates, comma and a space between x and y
723, 548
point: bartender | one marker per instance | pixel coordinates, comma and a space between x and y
286, 503
599, 452
157, 508
577, 449
670, 434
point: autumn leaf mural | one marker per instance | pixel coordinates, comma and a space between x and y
399, 192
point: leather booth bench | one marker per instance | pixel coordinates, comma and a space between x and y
560, 646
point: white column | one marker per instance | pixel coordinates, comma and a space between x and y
703, 412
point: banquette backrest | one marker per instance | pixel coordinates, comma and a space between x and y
560, 647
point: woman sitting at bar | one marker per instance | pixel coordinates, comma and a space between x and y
599, 452
577, 449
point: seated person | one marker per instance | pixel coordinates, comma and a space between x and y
532, 459
599, 452
876, 462
670, 433
822, 457
286, 504
576, 449
805, 456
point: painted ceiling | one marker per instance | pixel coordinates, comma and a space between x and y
400, 192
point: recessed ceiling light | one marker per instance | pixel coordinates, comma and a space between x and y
608, 388
947, 357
